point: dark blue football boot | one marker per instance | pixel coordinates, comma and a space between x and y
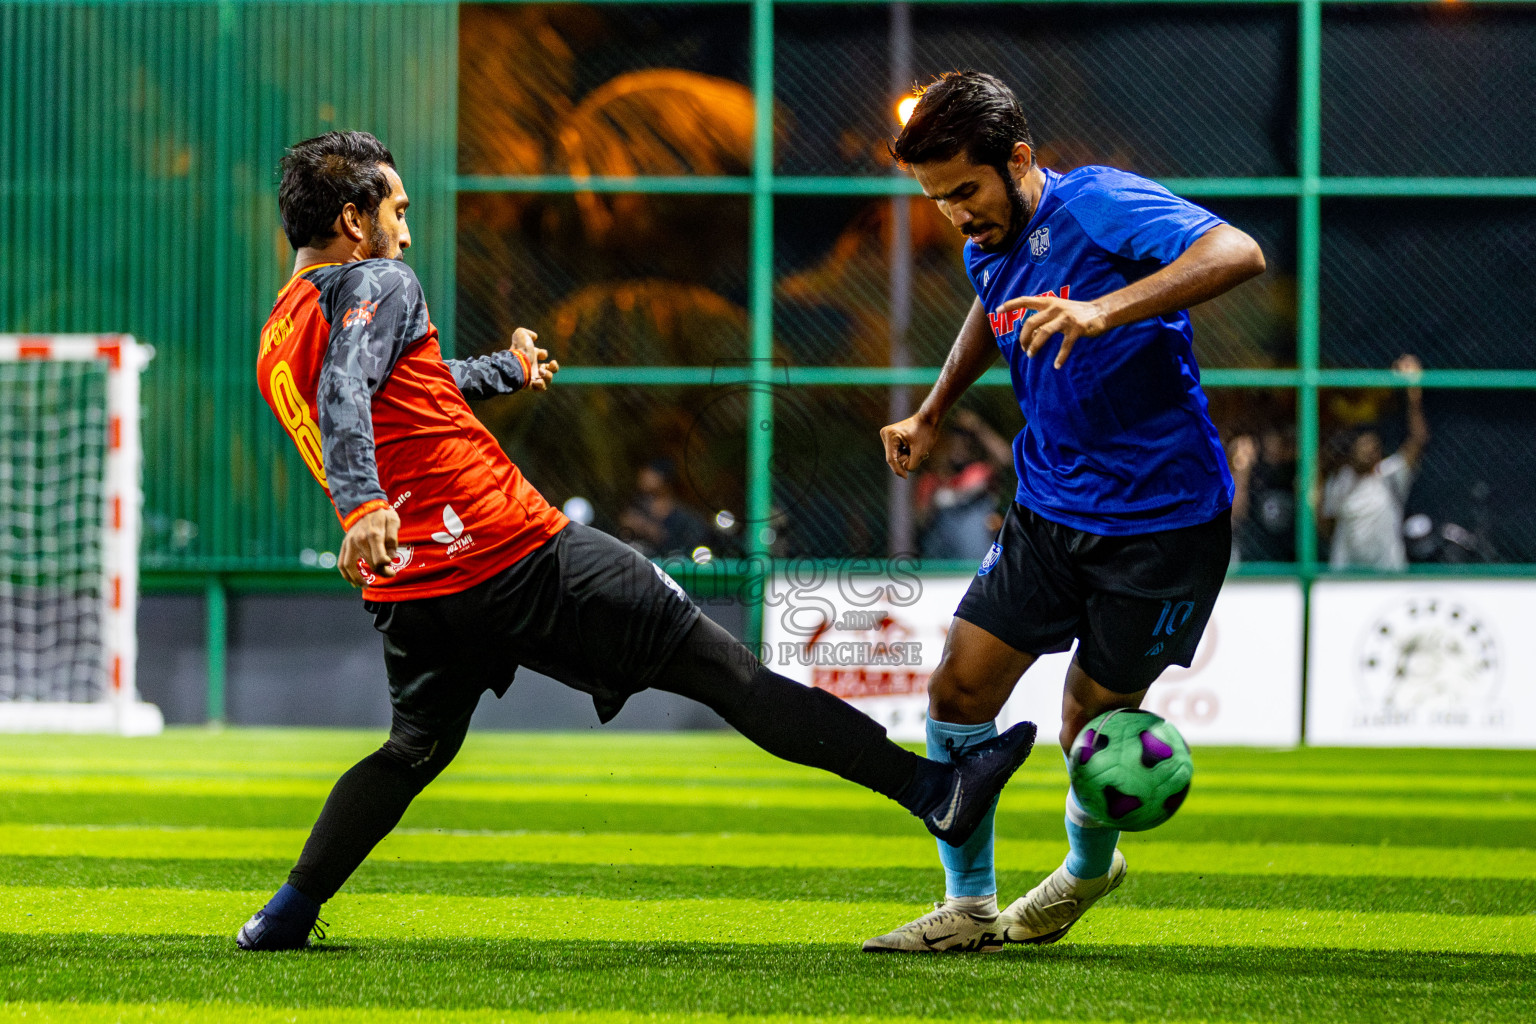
286, 922
981, 772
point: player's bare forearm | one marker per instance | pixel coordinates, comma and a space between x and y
1218, 261
973, 351
908, 443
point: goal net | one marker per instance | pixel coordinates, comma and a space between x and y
69, 534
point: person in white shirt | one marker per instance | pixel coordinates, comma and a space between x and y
1362, 513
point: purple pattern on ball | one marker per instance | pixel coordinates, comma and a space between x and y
1120, 804
1176, 801
1089, 748
1153, 750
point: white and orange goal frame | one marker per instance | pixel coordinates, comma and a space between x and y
70, 509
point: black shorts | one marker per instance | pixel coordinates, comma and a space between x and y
1136, 603
586, 609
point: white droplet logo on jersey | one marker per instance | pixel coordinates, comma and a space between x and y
453, 533
453, 527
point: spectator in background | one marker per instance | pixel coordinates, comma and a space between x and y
957, 498
1362, 512
656, 523
1264, 495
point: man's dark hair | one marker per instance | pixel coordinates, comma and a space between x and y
322, 175
964, 111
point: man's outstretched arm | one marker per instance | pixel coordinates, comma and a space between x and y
522, 365
1418, 426
908, 443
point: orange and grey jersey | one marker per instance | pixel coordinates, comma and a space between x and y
350, 364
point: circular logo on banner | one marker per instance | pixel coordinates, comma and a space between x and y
1429, 661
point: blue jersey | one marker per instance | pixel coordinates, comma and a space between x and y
1120, 439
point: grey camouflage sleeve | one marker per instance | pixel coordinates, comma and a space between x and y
499, 373
376, 310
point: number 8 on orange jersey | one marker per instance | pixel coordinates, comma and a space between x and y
294, 413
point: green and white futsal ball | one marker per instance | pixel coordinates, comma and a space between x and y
1130, 769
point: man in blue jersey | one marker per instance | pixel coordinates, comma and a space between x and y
1120, 531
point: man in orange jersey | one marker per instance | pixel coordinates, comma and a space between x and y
467, 570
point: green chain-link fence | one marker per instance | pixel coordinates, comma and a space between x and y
693, 204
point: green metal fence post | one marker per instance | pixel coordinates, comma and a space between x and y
216, 640
1309, 218
446, 303
1308, 340
214, 503
760, 412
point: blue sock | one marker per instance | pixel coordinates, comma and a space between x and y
1092, 842
289, 902
968, 869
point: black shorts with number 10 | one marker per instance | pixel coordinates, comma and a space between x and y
1135, 603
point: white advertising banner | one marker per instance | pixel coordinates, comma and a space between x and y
875, 639
1410, 663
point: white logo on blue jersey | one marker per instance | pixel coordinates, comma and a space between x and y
1039, 244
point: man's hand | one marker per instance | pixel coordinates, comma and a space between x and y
908, 444
1410, 367
543, 368
371, 543
1052, 316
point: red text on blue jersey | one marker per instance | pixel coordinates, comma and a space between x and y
1004, 321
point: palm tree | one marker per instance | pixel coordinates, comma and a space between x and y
662, 121
516, 73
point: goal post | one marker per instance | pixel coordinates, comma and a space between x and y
70, 501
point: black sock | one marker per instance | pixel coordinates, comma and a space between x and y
366, 803
929, 789
799, 723
363, 806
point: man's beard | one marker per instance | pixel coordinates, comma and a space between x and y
378, 243
1018, 216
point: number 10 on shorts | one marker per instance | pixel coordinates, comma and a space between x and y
1174, 615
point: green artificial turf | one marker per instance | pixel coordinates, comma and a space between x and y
603, 878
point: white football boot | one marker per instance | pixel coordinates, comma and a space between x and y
1044, 914
948, 928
